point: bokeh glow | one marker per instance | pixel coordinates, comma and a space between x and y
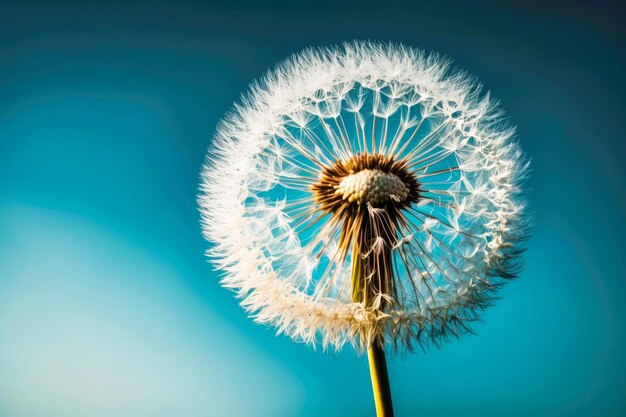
107, 304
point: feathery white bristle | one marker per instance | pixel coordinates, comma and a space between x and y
462, 239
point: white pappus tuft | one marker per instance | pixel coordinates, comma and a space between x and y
375, 151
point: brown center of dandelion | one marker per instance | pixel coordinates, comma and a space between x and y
379, 181
372, 186
366, 196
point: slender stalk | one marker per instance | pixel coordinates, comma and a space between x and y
357, 268
380, 381
375, 353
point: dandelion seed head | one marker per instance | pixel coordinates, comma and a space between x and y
376, 155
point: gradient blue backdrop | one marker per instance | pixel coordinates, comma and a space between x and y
107, 305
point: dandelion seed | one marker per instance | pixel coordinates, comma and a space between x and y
367, 195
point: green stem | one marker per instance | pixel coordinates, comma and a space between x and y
380, 381
375, 353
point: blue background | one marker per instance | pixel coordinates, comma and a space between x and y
107, 305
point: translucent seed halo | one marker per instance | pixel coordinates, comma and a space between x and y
376, 153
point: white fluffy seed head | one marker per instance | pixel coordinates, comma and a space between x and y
460, 241
372, 186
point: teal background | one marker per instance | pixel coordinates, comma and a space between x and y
107, 304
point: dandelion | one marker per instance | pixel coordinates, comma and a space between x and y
366, 194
